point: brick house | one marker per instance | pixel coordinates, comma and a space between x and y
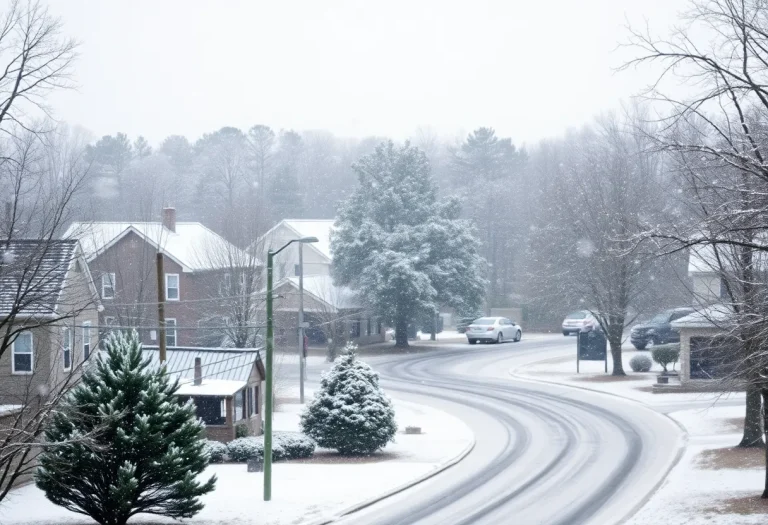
324, 302
49, 315
201, 270
226, 386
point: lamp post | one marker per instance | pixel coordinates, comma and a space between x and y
269, 369
301, 323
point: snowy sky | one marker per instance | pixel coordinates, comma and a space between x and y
530, 69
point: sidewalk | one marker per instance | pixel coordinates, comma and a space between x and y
304, 491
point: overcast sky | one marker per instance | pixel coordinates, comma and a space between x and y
530, 69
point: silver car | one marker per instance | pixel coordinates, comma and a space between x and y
493, 329
579, 321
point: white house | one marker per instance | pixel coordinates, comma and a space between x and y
323, 301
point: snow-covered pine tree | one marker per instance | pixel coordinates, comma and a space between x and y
350, 412
403, 251
120, 444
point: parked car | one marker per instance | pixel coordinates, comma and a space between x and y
579, 321
658, 330
493, 329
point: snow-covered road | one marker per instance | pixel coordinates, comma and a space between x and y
544, 453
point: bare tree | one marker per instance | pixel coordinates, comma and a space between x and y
717, 134
603, 183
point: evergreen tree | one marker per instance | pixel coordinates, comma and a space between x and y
405, 252
121, 445
350, 412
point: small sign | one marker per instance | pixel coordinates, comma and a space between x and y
256, 465
591, 346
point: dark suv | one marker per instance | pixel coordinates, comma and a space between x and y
658, 330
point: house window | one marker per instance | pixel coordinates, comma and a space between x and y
209, 410
296, 270
376, 327
354, 329
66, 347
239, 405
22, 353
108, 286
172, 286
257, 408
223, 407
86, 339
368, 326
170, 332
250, 401
226, 284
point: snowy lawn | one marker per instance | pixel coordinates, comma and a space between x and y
713, 483
636, 385
304, 490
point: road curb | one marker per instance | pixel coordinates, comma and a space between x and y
680, 449
400, 488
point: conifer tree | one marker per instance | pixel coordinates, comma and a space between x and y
121, 444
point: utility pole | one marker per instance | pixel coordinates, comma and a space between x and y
161, 306
301, 323
268, 397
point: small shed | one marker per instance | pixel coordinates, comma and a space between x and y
226, 385
707, 349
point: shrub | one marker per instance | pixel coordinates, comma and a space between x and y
640, 363
350, 413
285, 445
242, 449
666, 355
241, 430
216, 450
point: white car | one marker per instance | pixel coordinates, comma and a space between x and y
493, 329
579, 321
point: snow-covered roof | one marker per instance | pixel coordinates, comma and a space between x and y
6, 410
702, 260
209, 387
193, 246
224, 370
321, 288
41, 268
715, 316
314, 228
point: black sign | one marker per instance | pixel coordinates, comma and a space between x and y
591, 346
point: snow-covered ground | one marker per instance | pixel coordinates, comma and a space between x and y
700, 492
302, 491
696, 490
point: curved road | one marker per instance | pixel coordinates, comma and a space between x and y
544, 454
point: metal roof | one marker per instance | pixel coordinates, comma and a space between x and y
228, 364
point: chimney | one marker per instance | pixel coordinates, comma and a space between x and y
169, 218
198, 372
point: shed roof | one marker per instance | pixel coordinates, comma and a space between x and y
223, 368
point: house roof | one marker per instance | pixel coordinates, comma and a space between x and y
33, 274
715, 316
193, 246
320, 228
223, 368
322, 289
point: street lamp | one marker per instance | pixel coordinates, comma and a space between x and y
269, 371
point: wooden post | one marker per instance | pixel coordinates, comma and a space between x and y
161, 306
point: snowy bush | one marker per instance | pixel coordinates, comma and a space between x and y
640, 363
666, 354
216, 450
242, 449
241, 430
350, 413
295, 445
285, 445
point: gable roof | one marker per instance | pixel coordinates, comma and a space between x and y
225, 370
192, 245
322, 289
33, 275
320, 228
